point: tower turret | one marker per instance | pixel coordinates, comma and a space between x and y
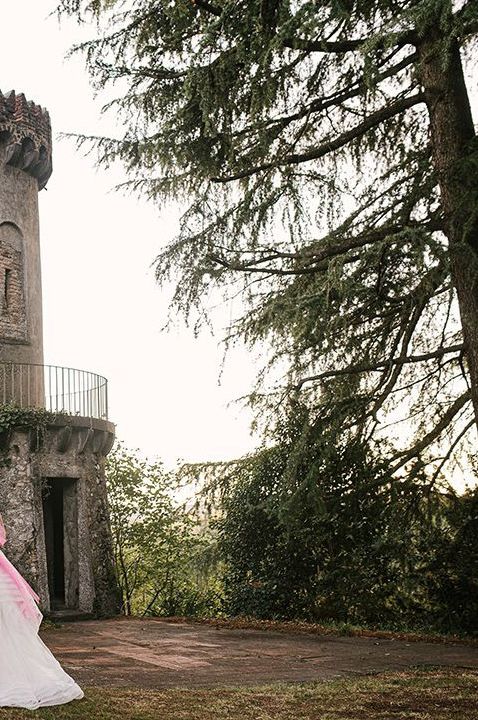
52, 476
25, 166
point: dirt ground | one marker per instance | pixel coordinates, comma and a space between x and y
152, 653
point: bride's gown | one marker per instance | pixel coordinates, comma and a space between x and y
30, 677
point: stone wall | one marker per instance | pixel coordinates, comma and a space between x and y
13, 320
70, 451
52, 483
19, 234
25, 166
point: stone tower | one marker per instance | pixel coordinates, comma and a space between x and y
52, 480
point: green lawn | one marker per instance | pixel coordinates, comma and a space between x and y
418, 695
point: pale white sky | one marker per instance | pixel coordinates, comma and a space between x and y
102, 309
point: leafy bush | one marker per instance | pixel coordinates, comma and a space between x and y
160, 549
323, 534
302, 530
453, 570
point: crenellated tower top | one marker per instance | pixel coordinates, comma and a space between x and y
25, 131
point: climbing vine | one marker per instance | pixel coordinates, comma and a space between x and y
12, 415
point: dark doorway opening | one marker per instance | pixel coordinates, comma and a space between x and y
60, 520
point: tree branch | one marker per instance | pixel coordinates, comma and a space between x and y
419, 299
367, 238
375, 367
329, 146
340, 96
466, 19
407, 37
453, 410
317, 260
254, 268
208, 7
449, 453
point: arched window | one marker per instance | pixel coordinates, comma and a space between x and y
13, 325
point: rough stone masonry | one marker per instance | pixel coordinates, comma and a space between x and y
52, 474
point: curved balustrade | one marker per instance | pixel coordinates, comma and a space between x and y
55, 388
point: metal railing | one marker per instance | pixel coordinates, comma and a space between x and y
55, 388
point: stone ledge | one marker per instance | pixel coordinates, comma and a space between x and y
73, 432
76, 421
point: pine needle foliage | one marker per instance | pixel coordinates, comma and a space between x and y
328, 161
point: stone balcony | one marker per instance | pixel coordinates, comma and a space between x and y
52, 485
78, 400
57, 389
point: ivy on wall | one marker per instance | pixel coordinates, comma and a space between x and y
12, 415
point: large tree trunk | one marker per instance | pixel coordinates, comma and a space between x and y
453, 141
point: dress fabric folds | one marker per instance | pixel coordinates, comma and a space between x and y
30, 676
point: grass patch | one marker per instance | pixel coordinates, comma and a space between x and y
436, 694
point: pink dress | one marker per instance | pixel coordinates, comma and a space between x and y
30, 676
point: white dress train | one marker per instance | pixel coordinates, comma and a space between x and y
30, 676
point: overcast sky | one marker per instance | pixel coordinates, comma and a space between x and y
102, 309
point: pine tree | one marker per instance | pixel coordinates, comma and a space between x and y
329, 161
